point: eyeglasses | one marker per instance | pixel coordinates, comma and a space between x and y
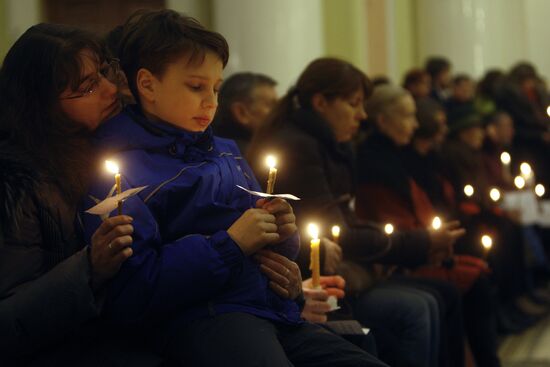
109, 70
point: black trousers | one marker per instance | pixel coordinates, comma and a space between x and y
239, 339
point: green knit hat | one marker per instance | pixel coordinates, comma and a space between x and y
463, 117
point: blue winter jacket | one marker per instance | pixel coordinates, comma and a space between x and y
184, 264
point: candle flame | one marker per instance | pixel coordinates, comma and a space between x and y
525, 169
335, 231
436, 223
313, 231
540, 190
519, 182
494, 194
468, 190
548, 110
486, 241
505, 158
271, 161
111, 167
388, 228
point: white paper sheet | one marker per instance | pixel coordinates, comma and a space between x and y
111, 203
264, 195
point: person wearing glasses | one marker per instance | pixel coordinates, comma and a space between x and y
55, 89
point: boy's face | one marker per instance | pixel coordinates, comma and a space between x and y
186, 95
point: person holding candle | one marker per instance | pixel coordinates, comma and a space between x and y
193, 285
499, 128
51, 281
310, 129
524, 96
384, 175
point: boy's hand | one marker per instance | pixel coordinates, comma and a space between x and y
284, 274
285, 218
253, 230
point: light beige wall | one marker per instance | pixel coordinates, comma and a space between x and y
345, 30
15, 18
199, 9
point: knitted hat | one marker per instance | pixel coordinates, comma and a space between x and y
463, 117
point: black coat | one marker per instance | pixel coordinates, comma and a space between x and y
314, 167
48, 311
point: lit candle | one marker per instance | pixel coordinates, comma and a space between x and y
468, 190
314, 265
540, 190
527, 174
494, 194
388, 228
505, 158
548, 110
436, 223
519, 182
113, 168
526, 170
487, 243
271, 162
335, 233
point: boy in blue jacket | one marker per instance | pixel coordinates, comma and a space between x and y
192, 281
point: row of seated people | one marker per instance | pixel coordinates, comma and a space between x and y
405, 165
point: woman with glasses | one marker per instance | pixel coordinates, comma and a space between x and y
55, 89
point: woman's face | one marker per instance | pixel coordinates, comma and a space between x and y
473, 137
399, 122
95, 99
343, 115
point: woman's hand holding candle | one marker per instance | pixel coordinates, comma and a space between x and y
442, 240
110, 248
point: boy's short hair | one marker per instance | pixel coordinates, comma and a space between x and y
152, 39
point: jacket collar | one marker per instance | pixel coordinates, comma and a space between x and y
310, 122
132, 130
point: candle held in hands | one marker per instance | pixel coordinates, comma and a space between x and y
113, 168
314, 265
271, 162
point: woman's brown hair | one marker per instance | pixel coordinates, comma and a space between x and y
40, 65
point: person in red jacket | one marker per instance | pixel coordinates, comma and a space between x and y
388, 192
